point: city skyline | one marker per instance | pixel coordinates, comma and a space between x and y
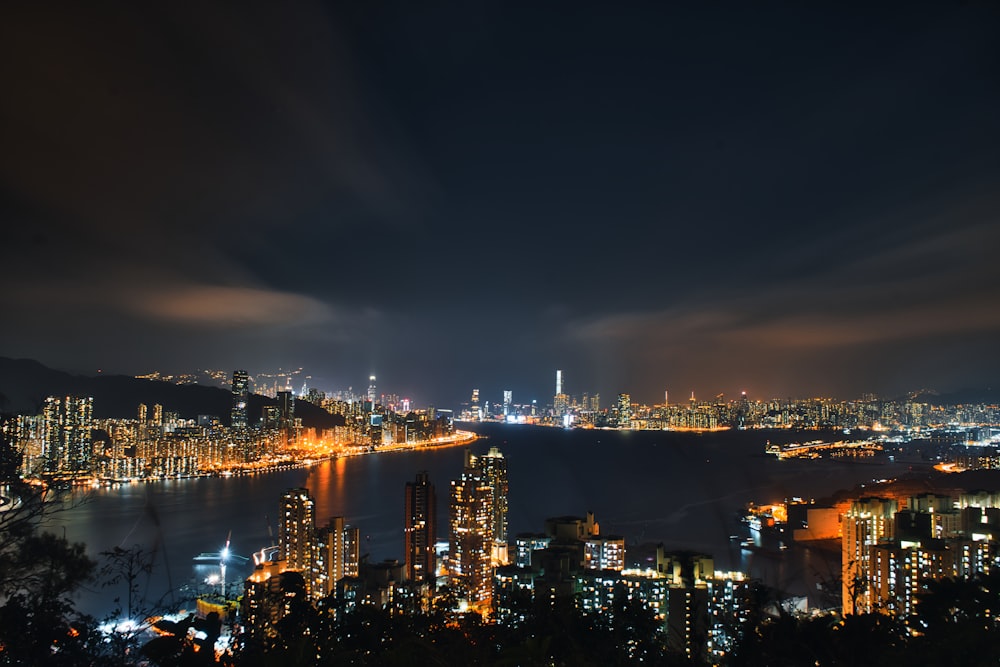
783, 201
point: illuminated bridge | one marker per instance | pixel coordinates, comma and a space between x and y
817, 449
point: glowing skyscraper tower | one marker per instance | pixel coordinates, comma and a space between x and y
295, 530
478, 523
419, 531
241, 393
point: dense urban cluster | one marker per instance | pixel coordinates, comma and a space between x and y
896, 554
913, 567
64, 442
693, 609
869, 412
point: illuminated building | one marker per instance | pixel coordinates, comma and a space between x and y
66, 424
323, 556
270, 415
472, 522
508, 397
560, 401
494, 470
474, 408
604, 553
295, 531
286, 409
375, 431
513, 590
336, 556
527, 543
624, 411
382, 585
701, 610
898, 569
241, 394
268, 596
704, 607
934, 537
419, 532
868, 522
371, 390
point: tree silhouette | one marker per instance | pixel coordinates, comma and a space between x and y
39, 573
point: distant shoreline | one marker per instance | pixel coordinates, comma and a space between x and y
460, 438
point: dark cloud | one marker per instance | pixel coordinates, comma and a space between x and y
787, 201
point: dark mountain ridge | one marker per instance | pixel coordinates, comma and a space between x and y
25, 383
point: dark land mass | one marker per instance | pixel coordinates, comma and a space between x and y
973, 396
919, 482
24, 385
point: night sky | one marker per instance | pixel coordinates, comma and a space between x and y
784, 199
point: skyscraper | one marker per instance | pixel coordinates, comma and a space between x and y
868, 522
66, 438
471, 539
478, 522
295, 530
494, 469
624, 411
420, 528
474, 408
241, 393
286, 409
335, 556
560, 402
371, 390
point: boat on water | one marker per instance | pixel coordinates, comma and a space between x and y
216, 557
221, 556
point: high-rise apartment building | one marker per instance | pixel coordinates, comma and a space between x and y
419, 531
868, 522
323, 556
286, 409
493, 467
66, 424
624, 411
478, 525
890, 556
604, 553
471, 540
335, 557
295, 530
241, 394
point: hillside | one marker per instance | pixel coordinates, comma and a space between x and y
25, 383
